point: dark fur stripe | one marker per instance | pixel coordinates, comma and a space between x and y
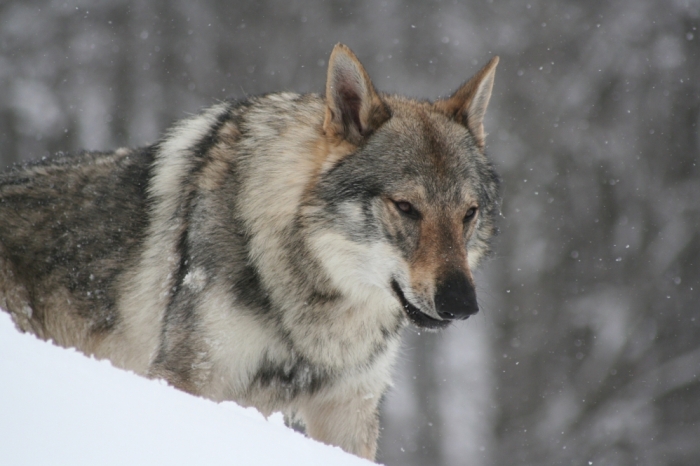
249, 290
301, 377
200, 153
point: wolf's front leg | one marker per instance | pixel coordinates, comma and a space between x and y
350, 422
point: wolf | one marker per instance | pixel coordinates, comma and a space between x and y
267, 251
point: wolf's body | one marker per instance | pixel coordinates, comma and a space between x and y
267, 251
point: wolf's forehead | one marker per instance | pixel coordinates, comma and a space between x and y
431, 135
430, 143
431, 155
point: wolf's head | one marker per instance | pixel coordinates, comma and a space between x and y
407, 192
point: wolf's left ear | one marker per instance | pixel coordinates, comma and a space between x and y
353, 108
468, 104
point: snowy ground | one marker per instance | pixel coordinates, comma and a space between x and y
59, 407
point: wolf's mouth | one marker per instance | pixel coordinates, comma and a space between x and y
419, 318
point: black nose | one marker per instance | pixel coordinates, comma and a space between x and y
456, 298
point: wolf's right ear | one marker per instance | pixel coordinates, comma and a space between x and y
468, 104
354, 110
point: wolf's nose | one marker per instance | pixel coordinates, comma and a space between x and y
456, 298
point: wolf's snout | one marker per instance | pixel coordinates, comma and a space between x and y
456, 298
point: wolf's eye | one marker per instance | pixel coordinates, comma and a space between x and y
470, 214
406, 208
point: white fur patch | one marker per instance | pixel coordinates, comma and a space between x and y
360, 271
236, 342
195, 279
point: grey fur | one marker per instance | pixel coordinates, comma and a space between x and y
268, 251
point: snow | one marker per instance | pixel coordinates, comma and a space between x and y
58, 406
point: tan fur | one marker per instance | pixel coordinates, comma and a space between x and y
470, 101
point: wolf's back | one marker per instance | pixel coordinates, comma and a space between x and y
69, 226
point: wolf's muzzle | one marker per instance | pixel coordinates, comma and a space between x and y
455, 297
418, 317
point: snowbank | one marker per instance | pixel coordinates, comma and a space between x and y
59, 407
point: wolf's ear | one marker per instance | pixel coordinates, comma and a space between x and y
468, 104
353, 108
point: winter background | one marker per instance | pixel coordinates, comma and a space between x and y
587, 349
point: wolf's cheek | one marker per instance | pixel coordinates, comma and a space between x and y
359, 269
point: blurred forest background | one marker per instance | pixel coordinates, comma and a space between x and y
587, 349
